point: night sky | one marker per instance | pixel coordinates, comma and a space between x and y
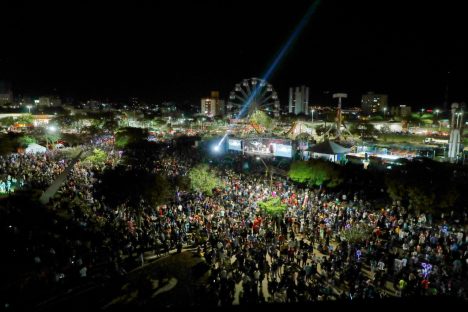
180, 50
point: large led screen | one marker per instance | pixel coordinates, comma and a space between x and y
282, 150
235, 145
268, 147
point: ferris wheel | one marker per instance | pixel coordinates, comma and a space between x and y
262, 95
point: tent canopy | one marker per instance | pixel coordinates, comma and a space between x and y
35, 148
330, 148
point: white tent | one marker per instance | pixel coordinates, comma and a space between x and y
34, 148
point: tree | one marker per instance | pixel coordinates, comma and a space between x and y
357, 233
97, 158
52, 137
300, 171
260, 118
421, 198
25, 119
8, 143
273, 206
303, 137
75, 139
396, 189
203, 179
182, 183
120, 185
316, 173
25, 140
7, 121
427, 186
128, 136
363, 128
63, 121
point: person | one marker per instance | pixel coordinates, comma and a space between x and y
402, 284
179, 247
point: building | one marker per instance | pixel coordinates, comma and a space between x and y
212, 106
25, 101
405, 111
6, 94
49, 101
44, 101
372, 103
299, 100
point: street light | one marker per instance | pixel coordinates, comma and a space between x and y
312, 111
51, 129
385, 111
29, 108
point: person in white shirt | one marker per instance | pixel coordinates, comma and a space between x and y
83, 271
381, 265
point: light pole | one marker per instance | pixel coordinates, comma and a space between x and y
312, 111
385, 112
29, 108
51, 129
362, 128
437, 117
267, 169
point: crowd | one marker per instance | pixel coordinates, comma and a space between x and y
37, 171
302, 255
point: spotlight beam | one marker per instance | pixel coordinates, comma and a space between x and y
279, 57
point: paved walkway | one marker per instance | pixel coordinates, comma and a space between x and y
54, 187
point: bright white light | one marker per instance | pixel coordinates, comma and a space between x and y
216, 148
52, 128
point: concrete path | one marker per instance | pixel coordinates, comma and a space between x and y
54, 187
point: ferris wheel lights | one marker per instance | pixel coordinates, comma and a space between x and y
250, 95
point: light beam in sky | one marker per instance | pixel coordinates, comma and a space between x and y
279, 57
